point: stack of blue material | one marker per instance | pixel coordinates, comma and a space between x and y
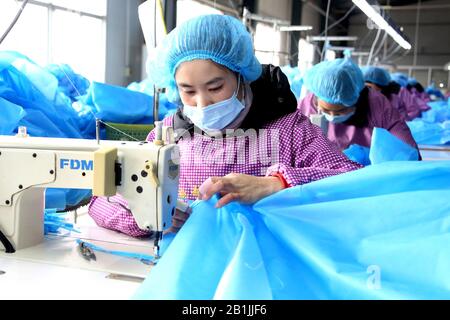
384, 147
434, 125
295, 79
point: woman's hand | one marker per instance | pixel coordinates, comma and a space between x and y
240, 187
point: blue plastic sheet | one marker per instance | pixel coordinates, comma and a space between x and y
61, 198
11, 116
429, 133
55, 221
387, 147
384, 147
358, 153
295, 79
146, 86
381, 232
70, 83
48, 112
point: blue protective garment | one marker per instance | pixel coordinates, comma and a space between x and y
376, 75
11, 116
118, 104
48, 112
338, 81
70, 83
384, 147
54, 221
381, 232
387, 147
358, 153
432, 127
400, 78
60, 198
295, 79
220, 38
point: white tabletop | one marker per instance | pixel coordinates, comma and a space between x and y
55, 269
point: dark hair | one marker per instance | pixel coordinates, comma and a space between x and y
360, 118
416, 86
392, 88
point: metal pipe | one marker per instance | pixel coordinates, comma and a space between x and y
416, 36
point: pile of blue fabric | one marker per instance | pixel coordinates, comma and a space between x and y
295, 79
384, 147
434, 125
381, 232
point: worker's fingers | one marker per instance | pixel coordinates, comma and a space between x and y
227, 199
216, 186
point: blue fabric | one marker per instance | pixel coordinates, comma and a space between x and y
54, 221
426, 133
60, 198
358, 153
381, 232
11, 116
118, 104
376, 75
220, 38
70, 83
400, 78
25, 84
384, 146
432, 90
146, 86
387, 147
295, 79
338, 81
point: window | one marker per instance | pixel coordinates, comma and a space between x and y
268, 45
59, 31
188, 9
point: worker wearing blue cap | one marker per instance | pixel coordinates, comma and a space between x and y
337, 90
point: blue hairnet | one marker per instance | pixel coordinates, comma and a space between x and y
412, 81
220, 38
338, 81
400, 78
376, 75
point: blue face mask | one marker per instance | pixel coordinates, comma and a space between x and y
339, 119
215, 116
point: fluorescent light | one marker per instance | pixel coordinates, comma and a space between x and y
332, 38
296, 28
381, 22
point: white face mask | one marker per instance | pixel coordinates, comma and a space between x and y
215, 116
339, 119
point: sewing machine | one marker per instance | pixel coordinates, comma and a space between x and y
144, 173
